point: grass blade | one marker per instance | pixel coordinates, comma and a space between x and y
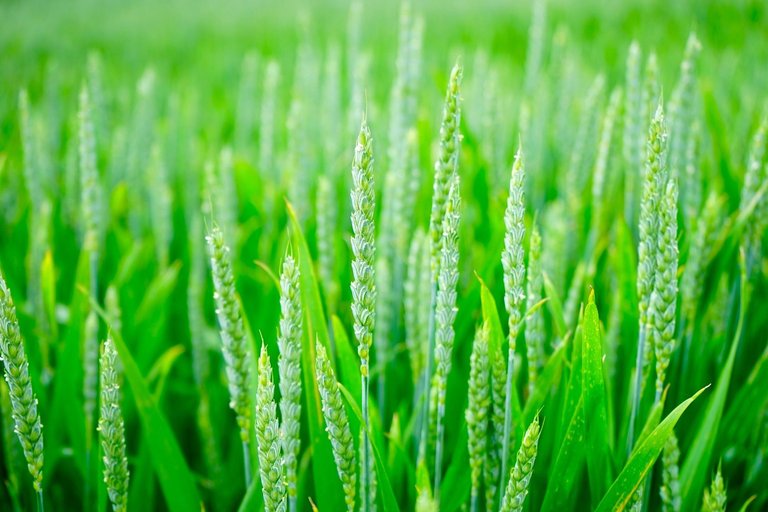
641, 461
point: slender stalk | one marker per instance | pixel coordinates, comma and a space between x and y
365, 476
425, 384
40, 501
636, 389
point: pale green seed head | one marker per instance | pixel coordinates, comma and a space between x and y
234, 344
476, 414
446, 307
447, 162
363, 245
512, 257
289, 367
337, 425
28, 427
520, 477
670, 486
663, 302
271, 467
715, 497
112, 429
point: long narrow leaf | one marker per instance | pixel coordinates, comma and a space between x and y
642, 460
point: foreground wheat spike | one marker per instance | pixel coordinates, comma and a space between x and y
653, 187
670, 486
234, 344
289, 367
495, 445
23, 400
534, 324
715, 497
520, 476
447, 160
363, 284
514, 295
664, 297
112, 429
445, 315
476, 414
337, 426
446, 166
268, 439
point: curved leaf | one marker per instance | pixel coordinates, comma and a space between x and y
599, 441
384, 485
176, 480
328, 492
642, 460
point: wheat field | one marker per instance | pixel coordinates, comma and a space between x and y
417, 255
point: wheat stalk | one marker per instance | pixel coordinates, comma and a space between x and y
368, 492
90, 373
